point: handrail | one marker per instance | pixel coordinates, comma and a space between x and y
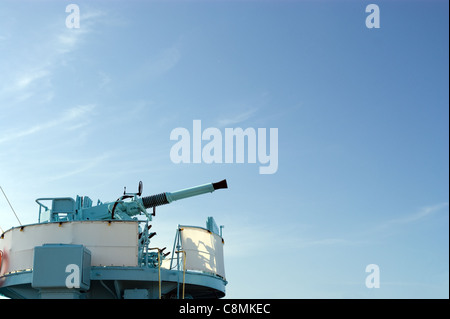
159, 268
41, 205
159, 271
184, 269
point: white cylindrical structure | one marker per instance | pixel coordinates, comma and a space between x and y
112, 243
204, 250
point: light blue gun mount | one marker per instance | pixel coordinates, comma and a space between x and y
68, 209
81, 250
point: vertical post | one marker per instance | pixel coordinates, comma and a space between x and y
184, 274
178, 262
184, 271
174, 243
159, 272
145, 235
159, 269
178, 275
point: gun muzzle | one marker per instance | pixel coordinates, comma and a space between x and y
168, 197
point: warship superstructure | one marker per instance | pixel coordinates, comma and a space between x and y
78, 250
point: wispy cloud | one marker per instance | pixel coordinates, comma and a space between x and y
166, 61
245, 108
67, 40
367, 234
386, 228
32, 79
236, 118
161, 63
23, 84
84, 165
65, 119
26, 79
423, 213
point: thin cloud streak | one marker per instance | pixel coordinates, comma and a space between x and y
421, 214
236, 119
363, 238
69, 116
87, 165
34, 76
386, 228
159, 64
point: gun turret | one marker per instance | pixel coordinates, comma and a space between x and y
138, 205
68, 209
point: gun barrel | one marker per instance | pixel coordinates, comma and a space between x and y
168, 197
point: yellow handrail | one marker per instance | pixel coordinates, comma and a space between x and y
159, 268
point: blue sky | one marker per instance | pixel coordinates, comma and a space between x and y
362, 117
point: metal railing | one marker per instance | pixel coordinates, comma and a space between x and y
159, 268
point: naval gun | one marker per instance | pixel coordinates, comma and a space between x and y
124, 208
108, 246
